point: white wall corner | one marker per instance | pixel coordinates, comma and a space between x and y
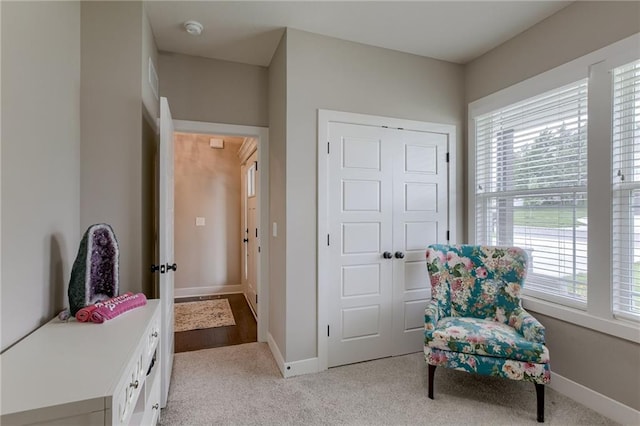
604, 405
294, 368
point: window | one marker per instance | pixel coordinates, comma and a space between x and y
251, 180
531, 187
554, 167
626, 190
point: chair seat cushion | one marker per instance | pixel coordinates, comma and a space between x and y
485, 337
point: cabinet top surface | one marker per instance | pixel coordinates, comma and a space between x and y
64, 362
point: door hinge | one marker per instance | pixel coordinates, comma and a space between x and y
448, 235
328, 333
258, 249
447, 157
256, 232
256, 299
327, 239
256, 163
328, 147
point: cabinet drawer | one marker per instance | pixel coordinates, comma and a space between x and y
128, 390
152, 409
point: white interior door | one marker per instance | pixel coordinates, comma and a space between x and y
420, 217
244, 231
166, 245
252, 225
387, 200
360, 231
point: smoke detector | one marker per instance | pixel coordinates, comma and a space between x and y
193, 27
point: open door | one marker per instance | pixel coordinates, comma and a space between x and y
167, 265
252, 242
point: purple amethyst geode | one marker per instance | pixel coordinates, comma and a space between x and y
94, 276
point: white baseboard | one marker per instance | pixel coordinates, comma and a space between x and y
604, 405
276, 353
295, 368
207, 291
255, 314
298, 368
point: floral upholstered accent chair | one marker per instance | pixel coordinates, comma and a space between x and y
475, 321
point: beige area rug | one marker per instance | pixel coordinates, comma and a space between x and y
203, 314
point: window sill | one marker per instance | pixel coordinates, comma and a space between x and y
627, 330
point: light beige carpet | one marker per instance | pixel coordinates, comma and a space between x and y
203, 314
241, 385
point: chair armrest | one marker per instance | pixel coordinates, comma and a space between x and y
431, 317
527, 325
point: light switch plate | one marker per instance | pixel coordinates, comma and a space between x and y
200, 221
275, 229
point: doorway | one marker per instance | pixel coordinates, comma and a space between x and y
212, 246
227, 280
384, 194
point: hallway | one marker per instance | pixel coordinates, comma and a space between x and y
245, 330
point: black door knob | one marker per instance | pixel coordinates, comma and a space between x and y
154, 268
173, 267
399, 255
387, 255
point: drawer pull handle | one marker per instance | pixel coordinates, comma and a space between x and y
155, 334
135, 384
156, 406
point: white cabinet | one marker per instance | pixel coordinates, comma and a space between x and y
72, 373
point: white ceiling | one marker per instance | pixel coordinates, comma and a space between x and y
249, 31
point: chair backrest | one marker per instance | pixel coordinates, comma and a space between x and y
476, 281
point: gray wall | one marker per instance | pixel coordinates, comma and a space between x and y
40, 161
576, 352
149, 177
149, 52
112, 182
574, 31
207, 184
596, 360
277, 193
212, 90
328, 73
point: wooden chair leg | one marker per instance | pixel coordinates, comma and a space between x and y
540, 396
432, 370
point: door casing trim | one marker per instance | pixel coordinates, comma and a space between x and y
324, 118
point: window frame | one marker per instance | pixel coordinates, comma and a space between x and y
595, 66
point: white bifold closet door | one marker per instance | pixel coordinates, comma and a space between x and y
387, 194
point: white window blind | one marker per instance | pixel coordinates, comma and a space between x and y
531, 188
626, 190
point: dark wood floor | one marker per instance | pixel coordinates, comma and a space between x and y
245, 330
